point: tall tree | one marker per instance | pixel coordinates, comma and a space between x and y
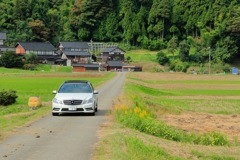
160, 10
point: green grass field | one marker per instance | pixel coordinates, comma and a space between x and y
36, 83
142, 55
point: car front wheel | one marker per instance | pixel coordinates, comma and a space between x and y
96, 108
55, 114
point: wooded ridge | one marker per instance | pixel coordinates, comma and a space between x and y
150, 24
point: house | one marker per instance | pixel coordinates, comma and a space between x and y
132, 68
87, 67
112, 53
114, 65
75, 52
4, 48
45, 51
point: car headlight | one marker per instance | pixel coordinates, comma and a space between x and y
55, 100
89, 100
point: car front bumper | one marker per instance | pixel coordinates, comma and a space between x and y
60, 108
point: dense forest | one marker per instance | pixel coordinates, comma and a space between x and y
149, 24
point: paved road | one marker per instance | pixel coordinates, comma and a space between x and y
67, 137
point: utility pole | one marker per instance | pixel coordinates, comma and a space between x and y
209, 60
91, 51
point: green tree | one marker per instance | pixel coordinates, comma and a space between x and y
172, 45
129, 21
160, 10
31, 58
39, 30
162, 58
107, 30
184, 51
9, 59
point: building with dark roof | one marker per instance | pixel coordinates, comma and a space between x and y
77, 67
45, 51
4, 48
112, 53
74, 46
114, 65
75, 52
39, 48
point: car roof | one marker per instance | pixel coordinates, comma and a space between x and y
76, 81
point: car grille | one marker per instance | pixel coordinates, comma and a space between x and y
72, 102
66, 109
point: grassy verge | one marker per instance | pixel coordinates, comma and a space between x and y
200, 105
33, 83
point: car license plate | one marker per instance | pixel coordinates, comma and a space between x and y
72, 109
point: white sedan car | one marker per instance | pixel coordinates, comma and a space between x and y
75, 96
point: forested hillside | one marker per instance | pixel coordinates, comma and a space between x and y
150, 24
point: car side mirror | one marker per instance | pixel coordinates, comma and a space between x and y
95, 92
54, 92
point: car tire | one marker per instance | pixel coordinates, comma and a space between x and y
96, 108
55, 114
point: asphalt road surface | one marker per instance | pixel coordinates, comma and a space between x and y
67, 137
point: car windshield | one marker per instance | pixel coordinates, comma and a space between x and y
75, 88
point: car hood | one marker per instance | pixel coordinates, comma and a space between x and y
73, 96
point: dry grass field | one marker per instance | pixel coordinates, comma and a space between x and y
201, 120
196, 104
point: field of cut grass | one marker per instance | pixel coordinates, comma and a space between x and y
144, 58
183, 116
142, 55
35, 83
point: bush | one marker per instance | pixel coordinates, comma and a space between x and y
220, 68
7, 97
157, 45
162, 58
178, 66
9, 59
31, 58
29, 66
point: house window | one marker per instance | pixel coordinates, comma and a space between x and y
49, 52
67, 49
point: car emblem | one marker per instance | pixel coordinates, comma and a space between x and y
72, 102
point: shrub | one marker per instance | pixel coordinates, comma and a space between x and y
178, 66
157, 45
29, 66
9, 59
220, 68
7, 97
31, 58
162, 58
